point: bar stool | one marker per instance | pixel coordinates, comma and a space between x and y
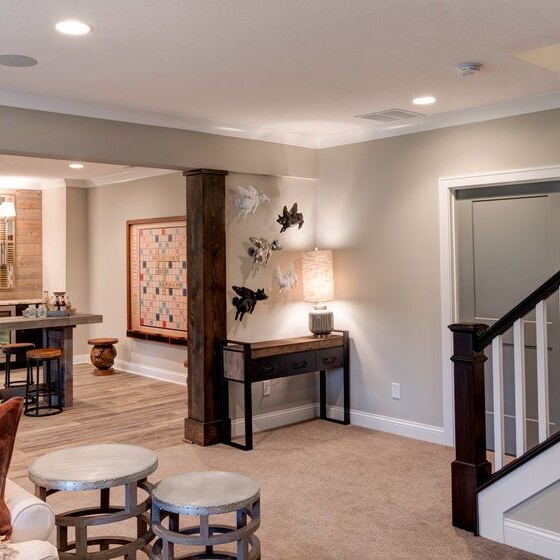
51, 387
200, 495
16, 349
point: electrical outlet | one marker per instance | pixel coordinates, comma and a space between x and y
267, 388
396, 391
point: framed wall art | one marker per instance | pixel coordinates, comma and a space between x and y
157, 279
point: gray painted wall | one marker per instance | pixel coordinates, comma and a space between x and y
377, 205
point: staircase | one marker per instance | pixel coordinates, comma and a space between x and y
514, 500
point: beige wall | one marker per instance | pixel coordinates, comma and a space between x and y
77, 267
378, 206
109, 207
54, 239
281, 315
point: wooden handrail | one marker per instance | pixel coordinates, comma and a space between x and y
471, 471
520, 310
520, 461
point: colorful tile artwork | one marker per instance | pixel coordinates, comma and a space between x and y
162, 277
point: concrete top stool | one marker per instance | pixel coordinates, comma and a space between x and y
203, 494
103, 355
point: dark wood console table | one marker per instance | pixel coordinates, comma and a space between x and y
249, 362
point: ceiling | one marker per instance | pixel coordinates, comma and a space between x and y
295, 71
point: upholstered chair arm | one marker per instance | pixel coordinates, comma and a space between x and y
32, 519
35, 550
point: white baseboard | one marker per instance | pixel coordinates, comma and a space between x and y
532, 539
139, 369
397, 426
270, 420
154, 373
81, 358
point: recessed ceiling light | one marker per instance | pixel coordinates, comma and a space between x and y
427, 100
76, 165
73, 27
17, 60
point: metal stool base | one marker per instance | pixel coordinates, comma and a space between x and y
248, 544
39, 397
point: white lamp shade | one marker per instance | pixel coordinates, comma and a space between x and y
7, 209
317, 271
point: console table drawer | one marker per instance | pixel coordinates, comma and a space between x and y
330, 358
267, 368
299, 362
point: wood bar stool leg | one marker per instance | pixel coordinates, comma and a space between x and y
7, 372
38, 379
48, 381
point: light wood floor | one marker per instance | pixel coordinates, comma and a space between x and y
120, 408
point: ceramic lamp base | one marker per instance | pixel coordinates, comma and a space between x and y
321, 323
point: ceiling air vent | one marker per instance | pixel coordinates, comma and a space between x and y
389, 116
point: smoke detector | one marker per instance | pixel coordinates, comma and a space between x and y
468, 68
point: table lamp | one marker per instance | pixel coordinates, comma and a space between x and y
318, 288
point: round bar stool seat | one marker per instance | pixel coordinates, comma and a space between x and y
43, 354
103, 355
50, 389
10, 350
203, 494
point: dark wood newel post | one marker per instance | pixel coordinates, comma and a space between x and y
470, 468
206, 284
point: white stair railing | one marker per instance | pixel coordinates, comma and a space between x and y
471, 469
520, 389
498, 385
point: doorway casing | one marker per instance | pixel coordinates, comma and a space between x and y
448, 266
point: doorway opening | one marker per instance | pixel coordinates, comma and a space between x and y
449, 189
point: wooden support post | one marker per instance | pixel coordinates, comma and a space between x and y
470, 468
206, 283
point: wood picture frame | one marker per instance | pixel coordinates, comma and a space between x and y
157, 279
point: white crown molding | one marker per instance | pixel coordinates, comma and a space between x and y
66, 106
132, 174
51, 184
51, 104
524, 106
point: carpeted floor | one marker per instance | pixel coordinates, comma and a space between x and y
328, 492
341, 492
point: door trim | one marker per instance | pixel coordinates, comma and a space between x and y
448, 266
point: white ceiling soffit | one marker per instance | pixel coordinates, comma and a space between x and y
22, 172
294, 72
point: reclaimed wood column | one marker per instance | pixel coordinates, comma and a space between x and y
470, 468
206, 284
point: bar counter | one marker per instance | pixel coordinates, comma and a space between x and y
57, 333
